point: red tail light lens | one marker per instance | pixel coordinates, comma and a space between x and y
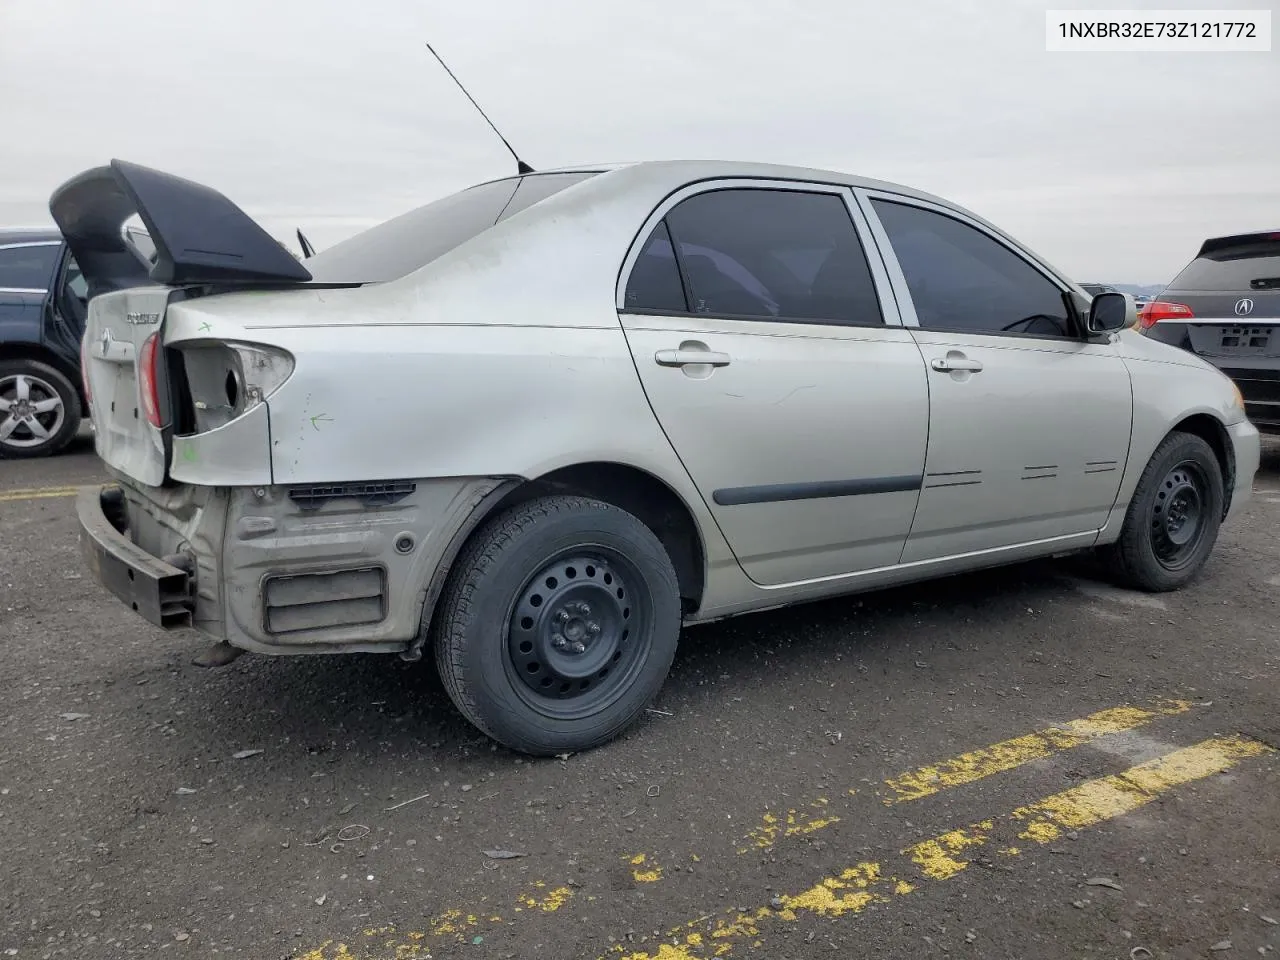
84, 369
1158, 310
148, 381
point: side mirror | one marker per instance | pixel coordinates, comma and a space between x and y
1109, 312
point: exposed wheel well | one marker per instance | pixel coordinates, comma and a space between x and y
41, 354
645, 497
1211, 431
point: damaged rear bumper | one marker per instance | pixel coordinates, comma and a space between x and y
341, 568
159, 590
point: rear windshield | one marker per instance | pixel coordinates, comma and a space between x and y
404, 244
1233, 271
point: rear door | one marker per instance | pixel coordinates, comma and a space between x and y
66, 308
1029, 423
1232, 292
773, 358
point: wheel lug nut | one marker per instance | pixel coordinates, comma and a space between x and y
562, 616
584, 609
577, 648
559, 642
593, 628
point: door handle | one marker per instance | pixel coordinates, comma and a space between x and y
955, 365
684, 358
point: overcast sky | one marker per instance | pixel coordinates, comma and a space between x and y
331, 115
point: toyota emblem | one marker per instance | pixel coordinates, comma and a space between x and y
1244, 307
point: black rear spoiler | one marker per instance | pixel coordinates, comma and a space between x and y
200, 236
1218, 245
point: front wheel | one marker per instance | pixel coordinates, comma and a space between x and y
1173, 519
559, 625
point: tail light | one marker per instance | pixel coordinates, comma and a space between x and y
224, 380
84, 369
1158, 310
148, 380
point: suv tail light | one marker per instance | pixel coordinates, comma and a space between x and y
1158, 310
148, 381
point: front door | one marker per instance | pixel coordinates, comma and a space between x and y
1029, 423
794, 398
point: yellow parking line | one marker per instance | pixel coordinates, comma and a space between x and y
465, 923
970, 767
854, 889
37, 493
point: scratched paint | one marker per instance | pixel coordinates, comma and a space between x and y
865, 884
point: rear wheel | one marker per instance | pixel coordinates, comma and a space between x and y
39, 409
559, 625
1173, 519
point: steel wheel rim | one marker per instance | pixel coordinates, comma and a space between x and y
578, 633
31, 411
1178, 515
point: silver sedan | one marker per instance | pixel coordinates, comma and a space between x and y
534, 427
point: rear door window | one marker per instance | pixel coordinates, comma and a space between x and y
27, 266
759, 254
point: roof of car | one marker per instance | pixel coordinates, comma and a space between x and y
10, 235
693, 170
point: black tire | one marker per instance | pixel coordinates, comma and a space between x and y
1157, 551
579, 584
45, 382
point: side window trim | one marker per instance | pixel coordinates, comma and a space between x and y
884, 288
898, 279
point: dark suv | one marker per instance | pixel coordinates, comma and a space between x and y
1225, 307
43, 302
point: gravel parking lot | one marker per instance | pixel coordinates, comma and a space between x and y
1025, 763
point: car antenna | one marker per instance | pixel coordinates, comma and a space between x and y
521, 167
307, 249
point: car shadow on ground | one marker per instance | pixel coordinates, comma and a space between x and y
403, 708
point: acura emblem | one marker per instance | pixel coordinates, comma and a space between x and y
1244, 307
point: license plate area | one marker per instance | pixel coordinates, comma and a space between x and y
1236, 341
1244, 339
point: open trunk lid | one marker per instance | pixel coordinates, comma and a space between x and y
196, 243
